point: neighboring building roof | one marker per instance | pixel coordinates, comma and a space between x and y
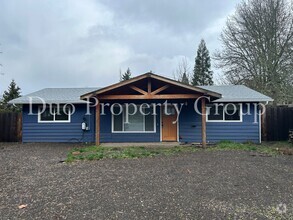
237, 93
54, 95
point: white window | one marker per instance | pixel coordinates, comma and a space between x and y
54, 114
137, 123
224, 112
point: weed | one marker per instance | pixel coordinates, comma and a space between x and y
97, 153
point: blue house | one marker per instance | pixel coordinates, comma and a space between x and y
146, 108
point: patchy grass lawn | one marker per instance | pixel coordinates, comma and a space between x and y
98, 153
271, 148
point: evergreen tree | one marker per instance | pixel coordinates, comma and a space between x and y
12, 93
185, 79
202, 74
126, 75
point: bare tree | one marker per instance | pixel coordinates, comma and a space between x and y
183, 71
257, 48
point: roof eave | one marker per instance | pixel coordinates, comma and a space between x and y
48, 102
243, 100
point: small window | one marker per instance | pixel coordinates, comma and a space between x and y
232, 113
54, 114
62, 115
47, 115
215, 113
224, 113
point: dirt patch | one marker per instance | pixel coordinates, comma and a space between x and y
286, 151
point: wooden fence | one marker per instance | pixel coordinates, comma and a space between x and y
276, 123
10, 127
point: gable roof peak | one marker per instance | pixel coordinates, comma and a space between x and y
155, 77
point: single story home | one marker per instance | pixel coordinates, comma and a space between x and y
146, 108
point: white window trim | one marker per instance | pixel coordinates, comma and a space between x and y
161, 130
133, 132
228, 121
259, 124
54, 121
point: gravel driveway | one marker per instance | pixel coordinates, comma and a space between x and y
199, 185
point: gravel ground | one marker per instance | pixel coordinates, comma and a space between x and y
200, 185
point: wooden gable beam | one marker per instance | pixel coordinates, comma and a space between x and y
160, 89
139, 90
149, 85
115, 86
148, 96
150, 76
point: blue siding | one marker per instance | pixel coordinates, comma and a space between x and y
32, 131
190, 127
189, 124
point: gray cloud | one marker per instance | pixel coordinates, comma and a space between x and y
85, 43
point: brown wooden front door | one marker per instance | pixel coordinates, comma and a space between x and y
169, 128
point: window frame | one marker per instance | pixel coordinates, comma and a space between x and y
224, 120
123, 122
54, 120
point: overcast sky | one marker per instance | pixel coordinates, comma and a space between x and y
84, 43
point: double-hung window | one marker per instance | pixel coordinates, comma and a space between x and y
224, 112
141, 121
54, 114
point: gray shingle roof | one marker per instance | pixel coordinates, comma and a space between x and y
237, 93
230, 93
54, 95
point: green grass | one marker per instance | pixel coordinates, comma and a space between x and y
97, 153
271, 148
